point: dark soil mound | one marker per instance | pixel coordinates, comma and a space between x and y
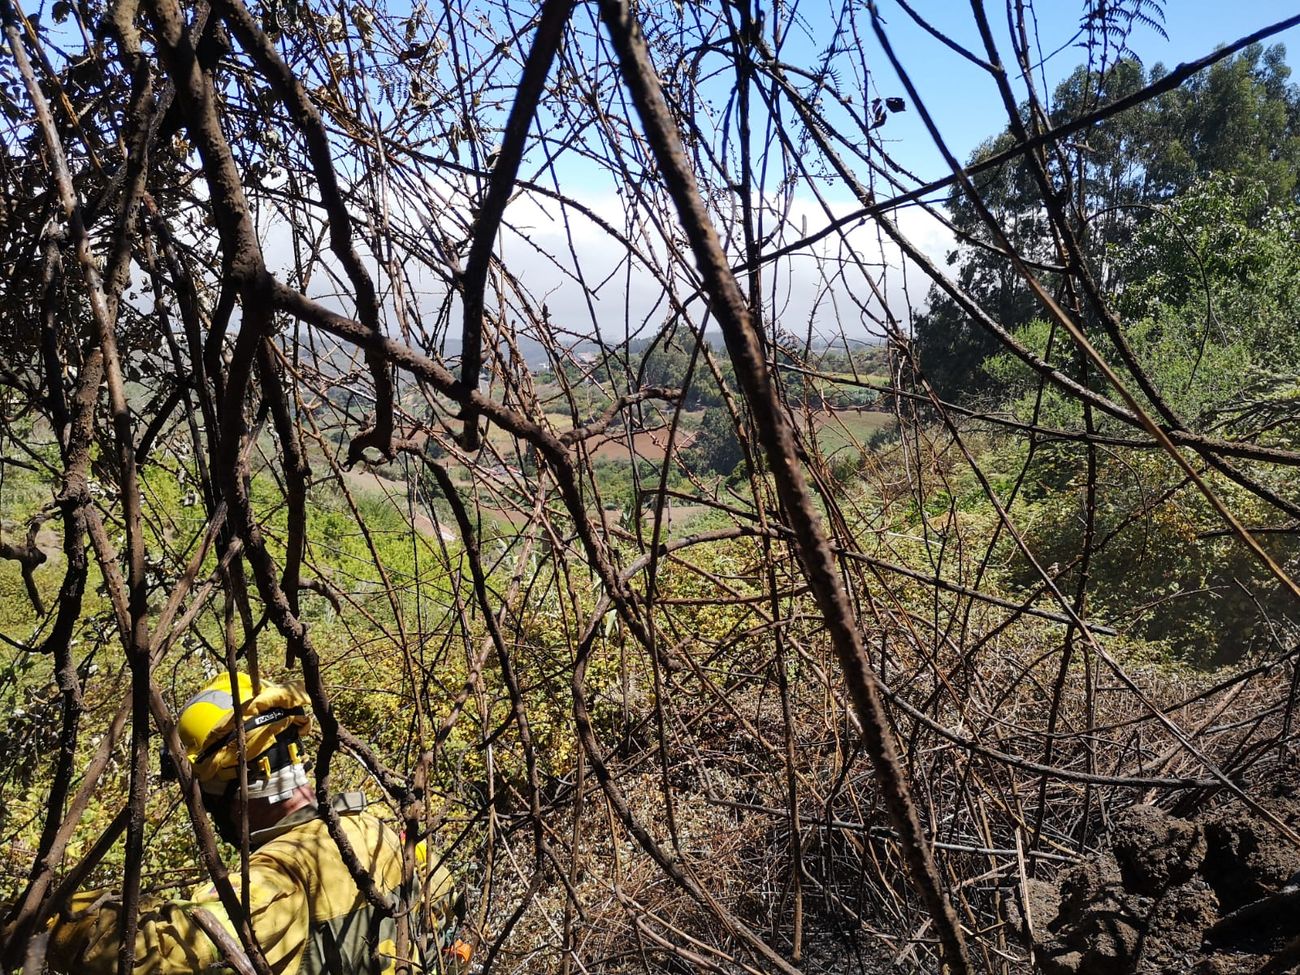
1217, 894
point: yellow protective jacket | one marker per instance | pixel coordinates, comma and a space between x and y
306, 911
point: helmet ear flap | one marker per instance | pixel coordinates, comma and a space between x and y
221, 809
166, 764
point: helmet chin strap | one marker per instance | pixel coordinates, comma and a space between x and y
223, 806
281, 784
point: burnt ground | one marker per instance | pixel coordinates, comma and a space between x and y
1214, 894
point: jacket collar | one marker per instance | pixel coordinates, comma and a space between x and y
345, 804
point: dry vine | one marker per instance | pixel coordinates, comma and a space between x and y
276, 258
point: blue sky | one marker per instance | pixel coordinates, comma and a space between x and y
963, 98
545, 253
967, 108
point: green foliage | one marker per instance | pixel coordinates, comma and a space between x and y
1240, 118
619, 481
1165, 571
1215, 292
17, 615
667, 362
716, 448
1210, 309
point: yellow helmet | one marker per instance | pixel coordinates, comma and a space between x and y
272, 723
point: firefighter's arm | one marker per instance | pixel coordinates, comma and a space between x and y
84, 938
169, 941
441, 888
446, 912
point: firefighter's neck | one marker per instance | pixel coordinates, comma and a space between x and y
264, 815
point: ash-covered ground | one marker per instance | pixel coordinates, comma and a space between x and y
1217, 893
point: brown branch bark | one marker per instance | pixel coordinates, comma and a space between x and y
775, 434
550, 31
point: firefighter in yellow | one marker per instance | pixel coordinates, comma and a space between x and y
306, 911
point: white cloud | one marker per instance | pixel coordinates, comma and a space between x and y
590, 283
828, 284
